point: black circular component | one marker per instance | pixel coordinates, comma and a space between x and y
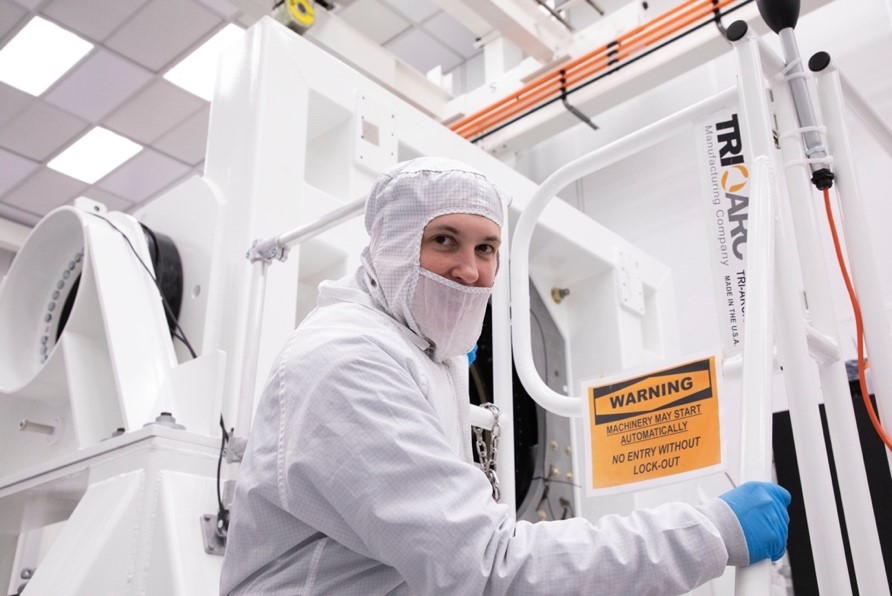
779, 14
819, 62
822, 179
737, 30
168, 273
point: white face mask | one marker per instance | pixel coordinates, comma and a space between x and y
448, 314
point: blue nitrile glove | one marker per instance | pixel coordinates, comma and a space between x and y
472, 355
761, 509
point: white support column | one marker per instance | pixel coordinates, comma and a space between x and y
859, 244
502, 378
802, 386
807, 216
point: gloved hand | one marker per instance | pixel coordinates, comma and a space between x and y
472, 355
761, 509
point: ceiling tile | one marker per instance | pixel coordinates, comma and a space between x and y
415, 10
44, 191
29, 4
94, 19
375, 20
12, 101
15, 169
456, 36
18, 215
154, 111
163, 31
188, 141
143, 176
98, 85
421, 50
112, 201
224, 8
10, 15
40, 131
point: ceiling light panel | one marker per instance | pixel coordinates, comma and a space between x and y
94, 155
197, 72
39, 54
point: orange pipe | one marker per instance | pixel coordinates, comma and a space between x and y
490, 115
578, 61
548, 76
585, 66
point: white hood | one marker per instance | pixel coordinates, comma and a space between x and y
401, 203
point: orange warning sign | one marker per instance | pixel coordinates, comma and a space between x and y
653, 426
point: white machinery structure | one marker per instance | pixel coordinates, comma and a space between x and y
111, 431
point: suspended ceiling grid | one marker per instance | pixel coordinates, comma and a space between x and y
119, 85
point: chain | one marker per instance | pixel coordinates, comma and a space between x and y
488, 460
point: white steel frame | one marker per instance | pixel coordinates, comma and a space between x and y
777, 220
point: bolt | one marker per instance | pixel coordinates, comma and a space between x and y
558, 294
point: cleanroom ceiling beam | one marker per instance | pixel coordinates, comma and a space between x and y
520, 21
685, 54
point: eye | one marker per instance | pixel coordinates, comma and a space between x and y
487, 249
443, 240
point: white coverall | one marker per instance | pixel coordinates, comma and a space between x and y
358, 477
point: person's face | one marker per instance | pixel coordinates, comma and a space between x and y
462, 247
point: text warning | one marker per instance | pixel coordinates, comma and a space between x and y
654, 426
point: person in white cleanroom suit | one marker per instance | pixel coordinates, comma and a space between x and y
358, 477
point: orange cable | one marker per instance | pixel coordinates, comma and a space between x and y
859, 327
525, 97
548, 77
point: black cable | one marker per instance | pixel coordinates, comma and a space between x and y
549, 480
167, 308
597, 8
567, 507
610, 72
572, 109
544, 345
718, 20
222, 512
